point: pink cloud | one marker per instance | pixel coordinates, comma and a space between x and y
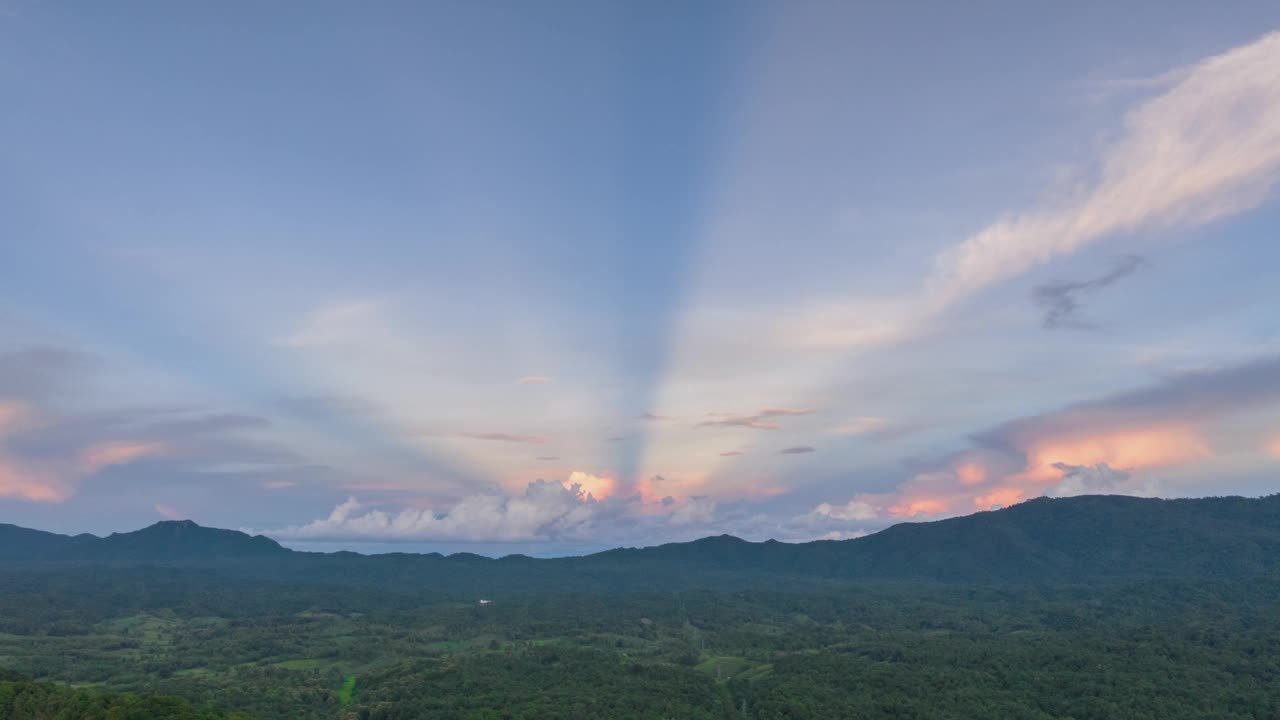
169, 512
534, 380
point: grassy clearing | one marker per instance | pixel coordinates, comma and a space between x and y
347, 690
724, 667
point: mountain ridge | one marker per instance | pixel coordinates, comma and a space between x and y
1081, 538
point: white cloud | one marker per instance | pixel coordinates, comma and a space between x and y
852, 510
1100, 479
699, 510
1207, 147
546, 510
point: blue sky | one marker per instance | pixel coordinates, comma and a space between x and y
560, 276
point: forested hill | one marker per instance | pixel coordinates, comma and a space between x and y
1080, 538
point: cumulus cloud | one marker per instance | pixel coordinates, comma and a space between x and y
1061, 301
762, 420
852, 510
546, 510
1098, 479
698, 510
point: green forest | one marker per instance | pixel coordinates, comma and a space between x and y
167, 642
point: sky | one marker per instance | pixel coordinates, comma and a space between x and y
561, 276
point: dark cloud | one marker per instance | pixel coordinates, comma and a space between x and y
42, 372
1061, 301
797, 450
1189, 396
731, 453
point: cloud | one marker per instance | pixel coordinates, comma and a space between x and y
731, 453
596, 486
1179, 401
698, 510
1207, 147
1061, 301
331, 406
534, 380
783, 412
502, 437
546, 511
844, 535
759, 421
46, 449
1098, 479
169, 512
797, 450
1109, 445
852, 510
44, 373
875, 427
651, 417
332, 325
548, 458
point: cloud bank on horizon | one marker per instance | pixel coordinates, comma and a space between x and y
499, 281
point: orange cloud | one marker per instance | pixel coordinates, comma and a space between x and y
11, 413
15, 482
1002, 497
971, 473
169, 512
911, 507
1128, 449
107, 454
597, 486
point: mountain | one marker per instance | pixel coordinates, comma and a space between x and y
1069, 539
170, 541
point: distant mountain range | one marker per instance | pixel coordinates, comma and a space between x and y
1070, 539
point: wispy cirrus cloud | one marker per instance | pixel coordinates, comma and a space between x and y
762, 420
1206, 147
333, 324
534, 380
499, 437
